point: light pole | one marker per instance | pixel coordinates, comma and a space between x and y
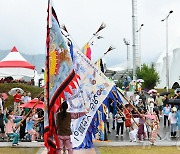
167, 58
127, 43
139, 31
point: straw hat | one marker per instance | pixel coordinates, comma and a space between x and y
174, 109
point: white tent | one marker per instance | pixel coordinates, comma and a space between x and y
174, 71
16, 66
119, 68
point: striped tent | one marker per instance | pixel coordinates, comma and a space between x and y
16, 66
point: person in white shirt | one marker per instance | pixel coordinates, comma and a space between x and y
149, 101
107, 115
136, 98
120, 122
28, 96
173, 121
24, 97
151, 107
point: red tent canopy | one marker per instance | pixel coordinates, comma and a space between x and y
31, 103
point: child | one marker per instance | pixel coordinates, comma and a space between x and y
29, 127
120, 122
155, 128
173, 121
127, 114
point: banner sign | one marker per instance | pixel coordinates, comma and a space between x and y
94, 87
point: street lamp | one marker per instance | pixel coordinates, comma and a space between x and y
139, 31
127, 43
167, 59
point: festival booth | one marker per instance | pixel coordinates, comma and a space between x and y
16, 66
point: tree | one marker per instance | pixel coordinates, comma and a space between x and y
149, 75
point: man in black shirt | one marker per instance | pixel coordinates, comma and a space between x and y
165, 100
143, 97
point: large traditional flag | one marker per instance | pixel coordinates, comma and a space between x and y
60, 77
94, 87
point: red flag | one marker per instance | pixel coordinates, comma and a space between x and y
87, 50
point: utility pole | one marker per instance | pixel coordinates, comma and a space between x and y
139, 32
134, 34
127, 43
167, 56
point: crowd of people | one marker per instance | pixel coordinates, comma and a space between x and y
11, 80
141, 117
21, 123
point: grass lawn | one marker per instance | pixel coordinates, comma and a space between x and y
139, 150
19, 150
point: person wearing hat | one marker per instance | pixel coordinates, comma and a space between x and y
173, 121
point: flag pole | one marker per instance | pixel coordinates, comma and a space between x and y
27, 115
137, 111
124, 108
108, 50
49, 25
102, 26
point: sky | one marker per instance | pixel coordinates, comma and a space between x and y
23, 24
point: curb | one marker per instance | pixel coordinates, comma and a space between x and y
145, 143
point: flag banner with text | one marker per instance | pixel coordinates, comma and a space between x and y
94, 87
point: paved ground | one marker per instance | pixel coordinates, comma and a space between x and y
164, 132
112, 141
23, 144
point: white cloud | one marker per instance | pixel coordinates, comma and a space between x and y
23, 24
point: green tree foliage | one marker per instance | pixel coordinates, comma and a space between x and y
149, 75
